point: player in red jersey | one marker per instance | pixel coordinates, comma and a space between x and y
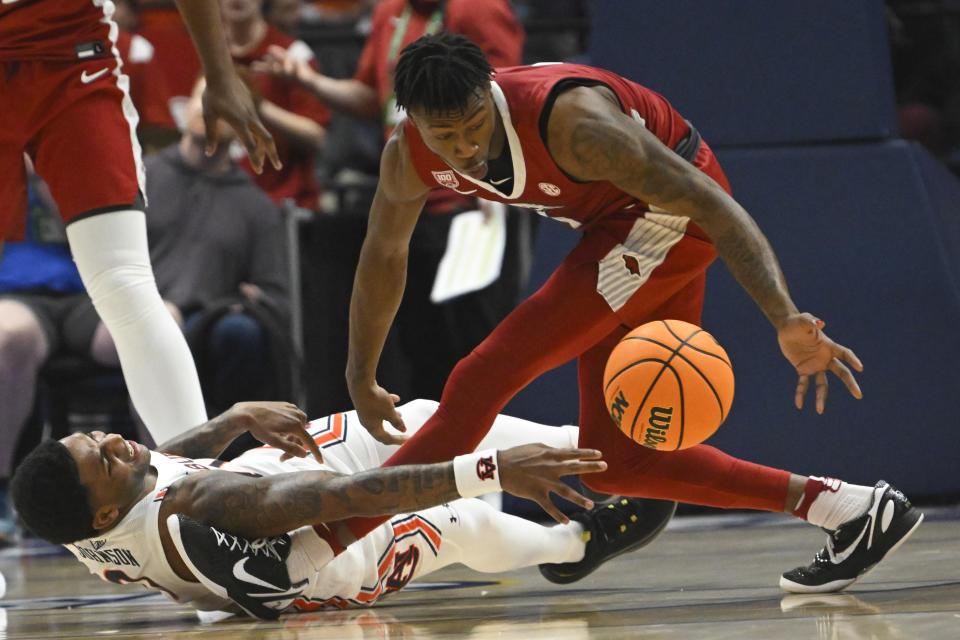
614, 160
65, 103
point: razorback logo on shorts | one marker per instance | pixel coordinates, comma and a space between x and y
446, 178
486, 468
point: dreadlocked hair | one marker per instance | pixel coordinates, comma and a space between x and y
48, 495
439, 73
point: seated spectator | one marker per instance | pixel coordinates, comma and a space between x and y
295, 117
175, 58
285, 15
217, 247
148, 85
39, 293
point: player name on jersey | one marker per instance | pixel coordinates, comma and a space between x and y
122, 557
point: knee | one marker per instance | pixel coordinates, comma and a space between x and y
236, 333
23, 345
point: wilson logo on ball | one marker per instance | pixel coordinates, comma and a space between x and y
619, 407
659, 424
668, 385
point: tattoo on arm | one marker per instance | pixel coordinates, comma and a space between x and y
277, 504
206, 441
752, 262
605, 152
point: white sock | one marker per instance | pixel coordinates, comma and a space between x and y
111, 253
838, 502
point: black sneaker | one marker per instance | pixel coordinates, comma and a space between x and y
624, 525
857, 545
252, 573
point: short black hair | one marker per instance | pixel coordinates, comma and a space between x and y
48, 495
439, 73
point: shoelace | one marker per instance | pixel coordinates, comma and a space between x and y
267, 545
614, 519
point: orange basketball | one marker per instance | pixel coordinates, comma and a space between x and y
668, 385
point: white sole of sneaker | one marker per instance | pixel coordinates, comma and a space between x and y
839, 585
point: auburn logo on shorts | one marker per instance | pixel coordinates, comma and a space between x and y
486, 468
404, 565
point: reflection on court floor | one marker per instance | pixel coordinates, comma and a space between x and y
706, 577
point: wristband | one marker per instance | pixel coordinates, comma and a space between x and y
477, 473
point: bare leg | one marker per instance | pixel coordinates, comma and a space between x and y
23, 349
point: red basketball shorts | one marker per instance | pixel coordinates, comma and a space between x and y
76, 122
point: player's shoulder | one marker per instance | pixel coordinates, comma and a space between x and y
398, 174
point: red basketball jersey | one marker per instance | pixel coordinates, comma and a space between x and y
54, 29
520, 94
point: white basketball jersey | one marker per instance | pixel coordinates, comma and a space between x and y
131, 552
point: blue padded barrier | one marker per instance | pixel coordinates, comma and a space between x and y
757, 72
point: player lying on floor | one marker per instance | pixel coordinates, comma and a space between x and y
160, 518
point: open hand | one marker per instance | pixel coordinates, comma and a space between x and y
279, 63
375, 405
230, 100
534, 470
278, 424
812, 353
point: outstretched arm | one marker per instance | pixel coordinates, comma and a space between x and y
278, 424
343, 94
379, 283
271, 505
225, 95
592, 139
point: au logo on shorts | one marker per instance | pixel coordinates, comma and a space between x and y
446, 178
549, 188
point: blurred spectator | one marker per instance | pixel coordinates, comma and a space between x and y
925, 49
40, 289
433, 336
217, 246
177, 64
295, 117
148, 87
285, 15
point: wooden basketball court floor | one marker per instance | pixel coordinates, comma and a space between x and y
706, 577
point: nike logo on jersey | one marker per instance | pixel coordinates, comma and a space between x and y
276, 593
87, 78
501, 181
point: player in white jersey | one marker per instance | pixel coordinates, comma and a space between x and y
160, 518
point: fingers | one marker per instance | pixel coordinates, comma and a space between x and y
254, 152
846, 375
552, 509
565, 492
848, 355
803, 383
397, 421
210, 125
385, 437
312, 445
821, 382
577, 454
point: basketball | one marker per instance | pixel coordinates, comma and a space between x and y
668, 385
